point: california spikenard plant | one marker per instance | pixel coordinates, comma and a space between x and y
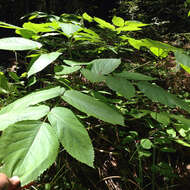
34, 126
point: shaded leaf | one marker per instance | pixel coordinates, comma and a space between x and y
104, 66
91, 76
93, 107
121, 85
157, 94
133, 76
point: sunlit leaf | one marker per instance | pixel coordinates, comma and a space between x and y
18, 43
29, 113
146, 143
118, 21
32, 99
72, 134
43, 61
27, 149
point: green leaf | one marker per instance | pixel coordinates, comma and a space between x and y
64, 70
29, 113
146, 143
91, 76
74, 63
72, 135
135, 23
6, 25
184, 59
93, 107
121, 85
182, 142
18, 43
104, 66
159, 52
103, 24
87, 17
118, 21
157, 94
42, 27
69, 29
133, 76
32, 99
171, 132
28, 148
43, 61
161, 117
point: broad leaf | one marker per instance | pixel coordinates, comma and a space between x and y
18, 43
64, 70
69, 29
28, 148
32, 99
103, 24
105, 66
93, 107
91, 76
133, 76
118, 21
74, 63
72, 135
157, 94
183, 59
28, 113
121, 85
43, 61
146, 143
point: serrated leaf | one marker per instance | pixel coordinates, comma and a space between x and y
121, 85
133, 76
93, 107
157, 94
91, 76
18, 43
29, 113
72, 135
32, 99
43, 61
27, 149
118, 21
104, 66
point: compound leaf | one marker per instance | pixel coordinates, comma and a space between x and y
72, 135
93, 107
27, 149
